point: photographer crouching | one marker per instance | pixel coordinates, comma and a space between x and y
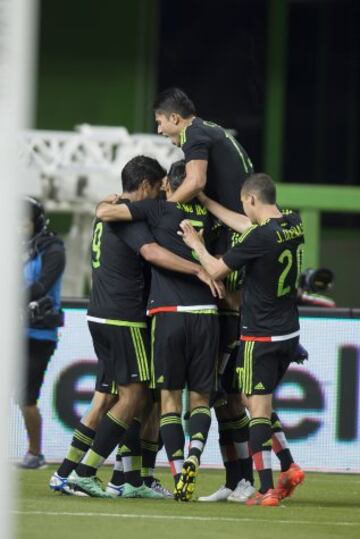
44, 263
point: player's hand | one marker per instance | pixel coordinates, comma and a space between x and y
217, 288
189, 234
112, 199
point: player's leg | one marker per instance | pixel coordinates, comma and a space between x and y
168, 375
150, 445
291, 474
116, 483
264, 366
202, 352
236, 430
129, 368
150, 432
172, 431
258, 373
136, 456
228, 454
240, 433
127, 465
260, 407
104, 397
279, 443
82, 440
38, 356
130, 452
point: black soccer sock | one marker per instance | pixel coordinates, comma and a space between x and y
228, 453
280, 445
260, 445
199, 425
109, 433
149, 451
82, 439
117, 477
241, 433
130, 451
173, 437
161, 442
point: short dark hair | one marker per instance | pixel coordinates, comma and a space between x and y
176, 174
263, 185
141, 168
174, 100
36, 213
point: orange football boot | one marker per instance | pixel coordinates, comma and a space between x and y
289, 480
269, 499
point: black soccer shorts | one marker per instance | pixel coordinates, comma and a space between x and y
262, 365
123, 353
184, 351
38, 355
105, 382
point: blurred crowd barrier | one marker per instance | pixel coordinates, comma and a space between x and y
72, 171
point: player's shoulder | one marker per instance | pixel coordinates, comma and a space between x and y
251, 234
292, 217
198, 129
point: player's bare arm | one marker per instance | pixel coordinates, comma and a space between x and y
215, 267
232, 219
111, 211
159, 256
194, 182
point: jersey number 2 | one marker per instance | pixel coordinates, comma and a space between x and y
96, 245
287, 258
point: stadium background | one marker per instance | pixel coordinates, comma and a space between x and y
284, 76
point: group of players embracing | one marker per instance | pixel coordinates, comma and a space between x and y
174, 257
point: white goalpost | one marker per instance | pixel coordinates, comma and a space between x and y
17, 45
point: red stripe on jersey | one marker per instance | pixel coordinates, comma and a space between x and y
257, 339
172, 309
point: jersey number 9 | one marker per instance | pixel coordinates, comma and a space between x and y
96, 245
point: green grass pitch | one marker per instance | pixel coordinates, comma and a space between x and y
325, 506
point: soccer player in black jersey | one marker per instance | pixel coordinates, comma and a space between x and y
233, 422
117, 319
215, 162
184, 330
271, 252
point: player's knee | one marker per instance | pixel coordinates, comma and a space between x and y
198, 399
132, 393
260, 405
171, 402
235, 404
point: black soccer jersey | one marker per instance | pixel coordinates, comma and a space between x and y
117, 271
271, 253
172, 289
228, 163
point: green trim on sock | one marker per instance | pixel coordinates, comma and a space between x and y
92, 459
117, 421
83, 438
150, 446
74, 454
260, 421
201, 410
170, 421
